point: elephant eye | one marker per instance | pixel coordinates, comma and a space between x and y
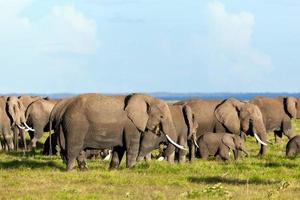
161, 116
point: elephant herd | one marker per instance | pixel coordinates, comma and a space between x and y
137, 124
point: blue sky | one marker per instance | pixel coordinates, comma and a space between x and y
149, 45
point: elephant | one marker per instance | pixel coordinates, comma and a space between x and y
94, 121
37, 116
11, 118
293, 146
277, 114
25, 102
213, 144
185, 127
229, 115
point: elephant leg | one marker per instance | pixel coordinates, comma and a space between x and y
236, 154
278, 136
204, 154
132, 144
182, 153
117, 155
23, 138
243, 136
16, 137
263, 150
224, 154
8, 137
81, 160
191, 151
148, 157
132, 150
72, 155
170, 154
37, 136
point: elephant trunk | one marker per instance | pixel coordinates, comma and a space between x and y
246, 152
170, 132
260, 135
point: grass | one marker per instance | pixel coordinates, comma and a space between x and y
39, 177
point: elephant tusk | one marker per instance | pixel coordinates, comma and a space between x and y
28, 128
196, 143
21, 127
175, 144
259, 140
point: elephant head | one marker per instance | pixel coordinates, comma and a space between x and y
237, 116
234, 142
291, 107
16, 111
152, 139
191, 123
149, 114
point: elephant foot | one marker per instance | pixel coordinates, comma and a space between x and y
82, 166
71, 166
140, 159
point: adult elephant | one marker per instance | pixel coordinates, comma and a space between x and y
20, 131
185, 126
37, 116
11, 118
229, 115
93, 121
277, 114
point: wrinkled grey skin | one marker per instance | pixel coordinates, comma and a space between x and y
5, 126
11, 117
219, 144
37, 116
229, 115
277, 114
25, 101
185, 127
92, 121
293, 146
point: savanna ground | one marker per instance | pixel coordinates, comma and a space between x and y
40, 177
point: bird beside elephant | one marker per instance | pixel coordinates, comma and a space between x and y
220, 144
93, 121
278, 113
229, 115
185, 126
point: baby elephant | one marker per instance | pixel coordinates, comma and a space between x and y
213, 144
293, 146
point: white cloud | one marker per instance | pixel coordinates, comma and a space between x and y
38, 48
63, 30
228, 57
68, 31
231, 35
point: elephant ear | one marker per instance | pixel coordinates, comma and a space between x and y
227, 114
137, 111
188, 115
290, 105
228, 141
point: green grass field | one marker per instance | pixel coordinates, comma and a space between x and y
40, 177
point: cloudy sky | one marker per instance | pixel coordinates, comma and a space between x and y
116, 46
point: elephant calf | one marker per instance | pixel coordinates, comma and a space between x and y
293, 146
213, 144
